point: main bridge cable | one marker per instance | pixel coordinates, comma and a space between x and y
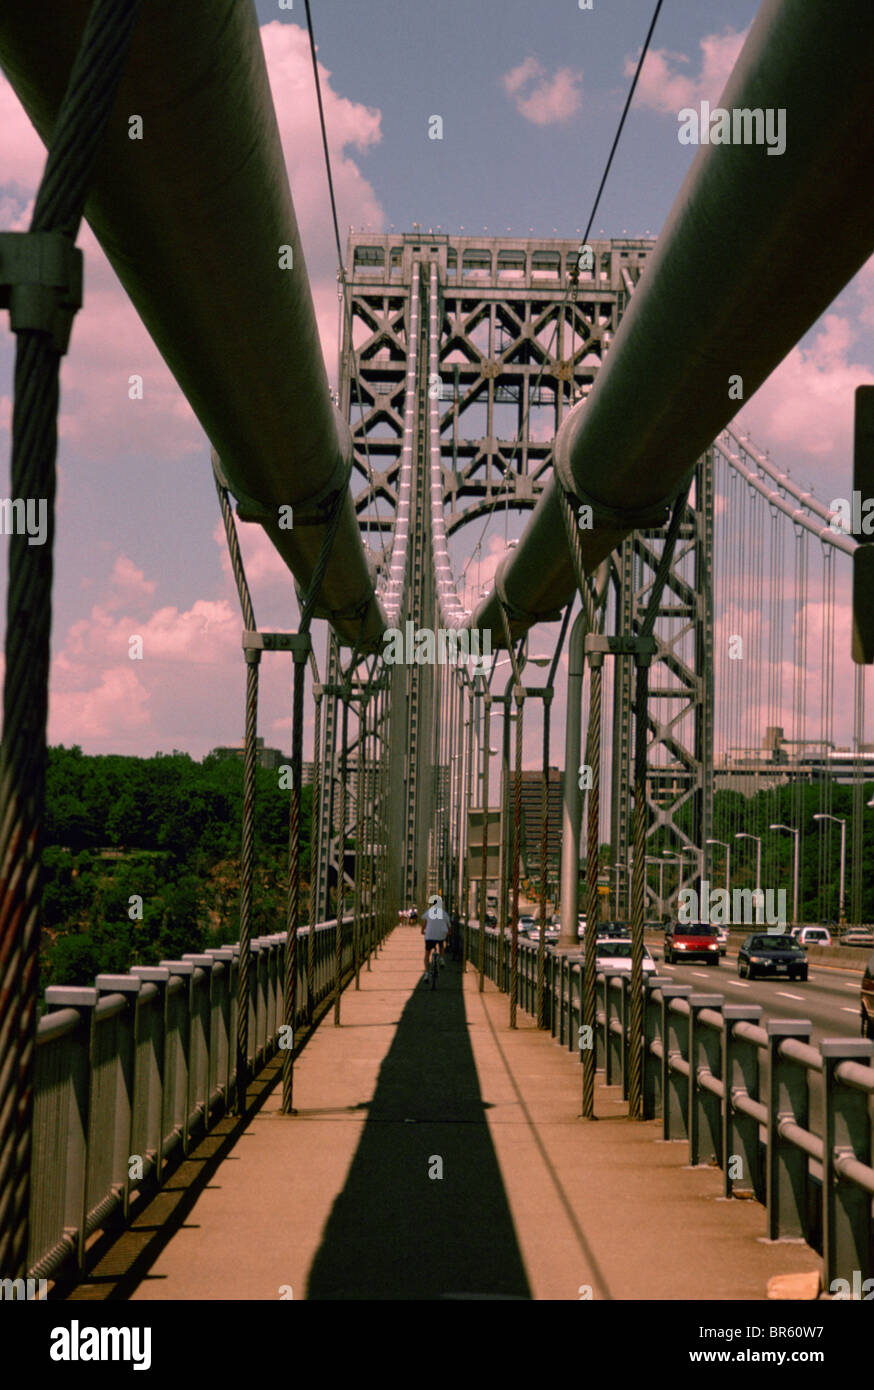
341, 274
43, 294
571, 290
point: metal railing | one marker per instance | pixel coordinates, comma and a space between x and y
737, 1089
131, 1073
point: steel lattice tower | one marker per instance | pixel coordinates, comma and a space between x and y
517, 350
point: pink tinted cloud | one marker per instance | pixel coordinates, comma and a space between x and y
541, 99
664, 87
806, 404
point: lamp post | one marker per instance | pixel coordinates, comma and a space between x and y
841, 821
727, 848
797, 835
744, 835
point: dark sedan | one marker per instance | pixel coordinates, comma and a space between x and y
776, 955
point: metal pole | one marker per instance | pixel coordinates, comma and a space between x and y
593, 758
572, 798
544, 852
315, 846
502, 861
841, 908
341, 868
636, 1041
246, 875
519, 696
487, 721
292, 913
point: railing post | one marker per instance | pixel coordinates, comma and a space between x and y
185, 969
704, 1059
788, 1099
160, 977
130, 986
652, 1032
201, 1034
222, 1049
75, 1160
846, 1207
740, 1079
675, 1046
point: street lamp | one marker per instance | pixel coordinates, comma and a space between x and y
797, 834
727, 848
744, 835
841, 821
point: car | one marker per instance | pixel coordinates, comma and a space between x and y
581, 928
857, 936
613, 956
722, 938
867, 1000
491, 919
771, 954
815, 936
525, 923
691, 941
620, 930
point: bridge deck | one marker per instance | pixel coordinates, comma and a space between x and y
337, 1202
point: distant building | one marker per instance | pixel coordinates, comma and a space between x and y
781, 761
266, 757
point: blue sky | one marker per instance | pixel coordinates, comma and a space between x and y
530, 94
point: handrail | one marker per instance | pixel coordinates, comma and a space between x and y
135, 1069
738, 1091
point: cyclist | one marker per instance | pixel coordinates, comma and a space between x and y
435, 927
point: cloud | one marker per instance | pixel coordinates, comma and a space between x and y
541, 99
663, 87
128, 583
807, 403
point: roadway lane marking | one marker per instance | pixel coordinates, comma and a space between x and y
786, 995
850, 984
700, 974
736, 984
845, 1010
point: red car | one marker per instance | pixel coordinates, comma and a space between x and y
867, 1000
691, 941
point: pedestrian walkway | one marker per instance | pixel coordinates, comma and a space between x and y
436, 1153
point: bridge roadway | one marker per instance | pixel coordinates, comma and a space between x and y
338, 1202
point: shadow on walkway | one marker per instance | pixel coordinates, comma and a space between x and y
394, 1231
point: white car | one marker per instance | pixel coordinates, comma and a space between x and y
614, 957
722, 938
814, 936
525, 924
581, 927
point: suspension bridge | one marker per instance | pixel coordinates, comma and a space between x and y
698, 604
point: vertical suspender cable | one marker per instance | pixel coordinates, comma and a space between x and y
82, 119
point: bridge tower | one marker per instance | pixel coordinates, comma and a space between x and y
517, 350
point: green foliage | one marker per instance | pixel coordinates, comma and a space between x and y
165, 830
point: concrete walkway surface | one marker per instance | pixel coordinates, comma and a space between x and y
436, 1153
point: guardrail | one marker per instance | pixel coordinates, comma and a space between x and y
131, 1072
738, 1091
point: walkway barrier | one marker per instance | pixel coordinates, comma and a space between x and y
131, 1073
737, 1090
